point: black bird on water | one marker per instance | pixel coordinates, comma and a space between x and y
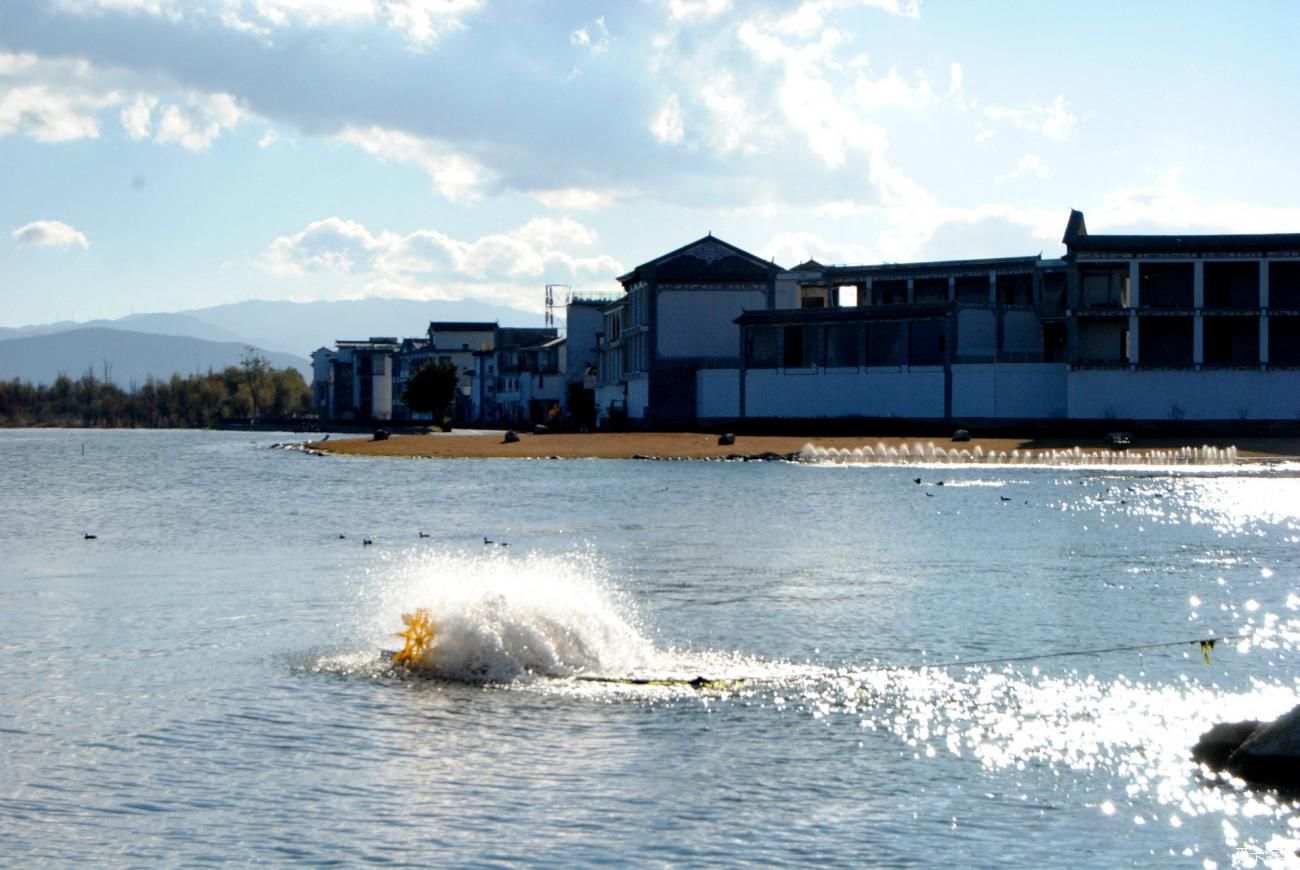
366, 542
90, 537
916, 480
423, 534
487, 542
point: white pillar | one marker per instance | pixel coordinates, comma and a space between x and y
1263, 314
993, 287
1132, 339
1134, 276
1198, 339
1198, 285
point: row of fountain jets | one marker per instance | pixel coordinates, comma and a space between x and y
929, 453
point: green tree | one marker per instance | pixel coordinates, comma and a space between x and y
256, 368
432, 389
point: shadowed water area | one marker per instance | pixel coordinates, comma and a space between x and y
205, 679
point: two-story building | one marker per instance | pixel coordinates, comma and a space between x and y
677, 318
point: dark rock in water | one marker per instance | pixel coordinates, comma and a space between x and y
511, 437
767, 456
540, 429
1221, 741
381, 434
1263, 754
1271, 754
727, 440
961, 435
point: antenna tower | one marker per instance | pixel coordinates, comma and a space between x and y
550, 301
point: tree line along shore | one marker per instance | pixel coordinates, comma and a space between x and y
697, 445
196, 401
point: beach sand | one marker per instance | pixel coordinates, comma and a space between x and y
696, 445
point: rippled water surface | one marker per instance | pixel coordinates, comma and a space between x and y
206, 680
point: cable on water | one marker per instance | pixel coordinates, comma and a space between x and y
1206, 645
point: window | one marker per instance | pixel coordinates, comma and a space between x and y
803, 347
885, 343
761, 344
1165, 285
1232, 285
1104, 287
842, 345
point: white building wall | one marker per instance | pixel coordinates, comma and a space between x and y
786, 289
700, 323
917, 392
381, 393
1186, 395
463, 340
977, 332
638, 397
1022, 332
717, 393
1022, 391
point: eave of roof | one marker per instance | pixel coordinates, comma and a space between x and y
943, 266
1253, 242
799, 316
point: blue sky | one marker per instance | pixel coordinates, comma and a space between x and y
160, 155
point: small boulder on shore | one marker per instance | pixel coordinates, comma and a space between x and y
727, 440
511, 437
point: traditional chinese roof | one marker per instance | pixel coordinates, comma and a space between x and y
709, 250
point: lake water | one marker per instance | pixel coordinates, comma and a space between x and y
205, 681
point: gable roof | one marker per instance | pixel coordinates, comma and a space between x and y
709, 249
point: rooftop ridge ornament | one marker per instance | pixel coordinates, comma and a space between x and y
709, 251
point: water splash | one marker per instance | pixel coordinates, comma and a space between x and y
927, 453
500, 617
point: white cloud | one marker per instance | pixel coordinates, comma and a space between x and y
893, 90
796, 247
62, 101
197, 125
1053, 120
508, 267
1028, 166
457, 177
52, 100
49, 234
579, 198
689, 10
136, 118
596, 40
420, 22
668, 127
267, 139
1166, 207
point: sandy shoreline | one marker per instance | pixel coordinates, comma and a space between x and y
696, 445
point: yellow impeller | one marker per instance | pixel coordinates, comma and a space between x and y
419, 637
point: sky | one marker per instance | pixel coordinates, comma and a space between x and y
164, 155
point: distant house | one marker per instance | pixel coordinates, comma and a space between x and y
521, 378
355, 380
675, 320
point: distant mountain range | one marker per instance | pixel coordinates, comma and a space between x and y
126, 358
157, 345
